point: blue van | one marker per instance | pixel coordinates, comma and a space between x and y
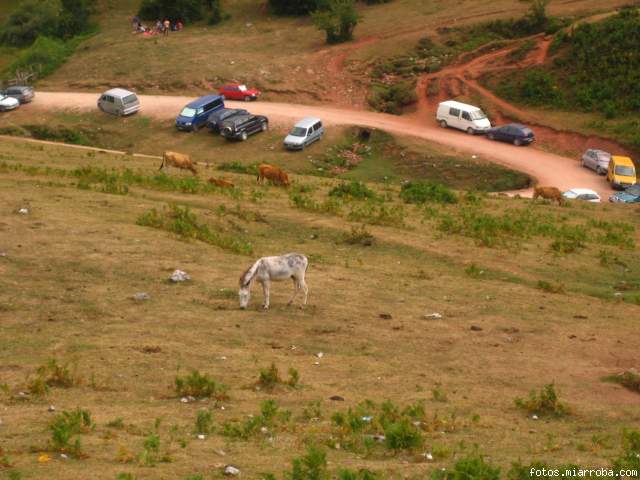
195, 114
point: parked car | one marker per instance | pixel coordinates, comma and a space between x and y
195, 114
304, 133
597, 160
512, 133
241, 126
621, 172
582, 194
22, 93
214, 120
239, 91
463, 117
628, 195
119, 101
8, 103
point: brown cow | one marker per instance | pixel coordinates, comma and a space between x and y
221, 182
551, 193
272, 173
178, 160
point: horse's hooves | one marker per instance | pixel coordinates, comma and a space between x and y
265, 307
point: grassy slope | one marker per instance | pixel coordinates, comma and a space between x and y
73, 263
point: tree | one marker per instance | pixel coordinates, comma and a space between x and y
74, 18
293, 7
32, 18
337, 18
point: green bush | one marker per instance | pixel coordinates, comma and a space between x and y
544, 403
312, 466
65, 426
402, 435
353, 189
186, 10
44, 56
30, 20
470, 468
293, 7
359, 236
422, 192
393, 98
198, 385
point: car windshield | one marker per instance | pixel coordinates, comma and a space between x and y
2, 97
633, 190
129, 99
625, 171
298, 132
570, 194
526, 132
242, 88
477, 115
188, 112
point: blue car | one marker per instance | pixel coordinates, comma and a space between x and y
512, 133
196, 113
629, 195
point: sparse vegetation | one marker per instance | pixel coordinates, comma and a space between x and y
269, 378
422, 192
359, 236
66, 427
271, 418
53, 374
199, 385
629, 379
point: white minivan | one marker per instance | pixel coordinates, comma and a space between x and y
463, 117
119, 101
305, 132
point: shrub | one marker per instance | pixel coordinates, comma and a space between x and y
204, 422
402, 436
186, 10
630, 457
550, 287
359, 236
629, 379
473, 467
393, 98
312, 466
361, 474
353, 189
67, 424
422, 192
269, 378
337, 18
52, 374
238, 167
376, 214
31, 19
44, 56
270, 417
200, 386
293, 7
545, 403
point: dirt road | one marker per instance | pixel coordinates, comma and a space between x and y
547, 168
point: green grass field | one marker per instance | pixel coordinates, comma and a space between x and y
72, 264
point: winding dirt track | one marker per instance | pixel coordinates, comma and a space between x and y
547, 168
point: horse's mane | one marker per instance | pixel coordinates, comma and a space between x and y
249, 273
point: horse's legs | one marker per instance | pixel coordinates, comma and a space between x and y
296, 287
265, 290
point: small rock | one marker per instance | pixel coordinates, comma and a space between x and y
534, 417
434, 315
379, 438
385, 316
51, 408
617, 294
573, 336
179, 276
201, 436
141, 296
337, 398
476, 328
316, 363
248, 24
184, 400
23, 211
264, 430
319, 354
231, 470
367, 418
474, 156
3, 254
428, 456
64, 456
220, 452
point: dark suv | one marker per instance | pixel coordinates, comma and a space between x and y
241, 126
217, 117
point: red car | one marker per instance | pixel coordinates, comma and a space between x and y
239, 91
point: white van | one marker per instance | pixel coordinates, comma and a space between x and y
305, 132
119, 101
463, 117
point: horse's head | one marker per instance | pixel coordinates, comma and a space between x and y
244, 294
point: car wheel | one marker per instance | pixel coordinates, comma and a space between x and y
119, 112
471, 131
600, 171
243, 136
247, 98
194, 127
490, 136
264, 126
443, 123
517, 142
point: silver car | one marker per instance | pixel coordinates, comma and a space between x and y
597, 160
119, 101
305, 132
21, 93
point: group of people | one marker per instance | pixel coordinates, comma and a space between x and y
161, 27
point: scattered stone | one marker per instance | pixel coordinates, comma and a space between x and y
231, 470
151, 349
220, 452
367, 418
264, 430
434, 315
51, 408
201, 436
64, 456
573, 336
319, 354
179, 276
316, 363
617, 294
428, 456
379, 438
337, 398
534, 417
184, 400
23, 211
385, 316
476, 328
580, 317
248, 24
3, 254
141, 296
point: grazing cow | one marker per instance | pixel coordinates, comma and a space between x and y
274, 174
178, 160
266, 269
221, 182
550, 193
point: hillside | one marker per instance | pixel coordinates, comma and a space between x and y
529, 294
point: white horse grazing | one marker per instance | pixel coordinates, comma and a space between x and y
266, 269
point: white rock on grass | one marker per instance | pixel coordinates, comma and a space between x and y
231, 470
179, 276
23, 211
434, 315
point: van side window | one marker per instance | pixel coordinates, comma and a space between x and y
217, 103
454, 112
466, 116
110, 98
